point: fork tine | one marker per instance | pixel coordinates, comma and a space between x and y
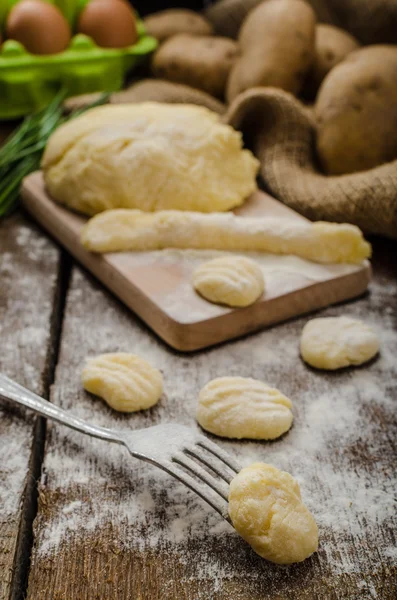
217, 485
211, 461
221, 454
212, 498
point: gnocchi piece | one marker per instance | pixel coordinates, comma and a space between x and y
266, 508
335, 342
241, 407
125, 381
230, 280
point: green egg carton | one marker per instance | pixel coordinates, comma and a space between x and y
29, 82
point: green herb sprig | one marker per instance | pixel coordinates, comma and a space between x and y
21, 154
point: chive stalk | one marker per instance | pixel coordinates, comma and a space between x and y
21, 153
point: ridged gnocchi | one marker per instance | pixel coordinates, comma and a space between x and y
266, 508
336, 342
125, 381
231, 280
240, 407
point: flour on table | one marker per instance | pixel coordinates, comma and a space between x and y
14, 461
24, 344
333, 421
29, 338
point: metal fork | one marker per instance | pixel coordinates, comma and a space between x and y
190, 457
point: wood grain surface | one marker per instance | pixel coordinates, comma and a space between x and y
29, 266
110, 527
157, 285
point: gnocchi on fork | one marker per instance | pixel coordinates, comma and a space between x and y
263, 503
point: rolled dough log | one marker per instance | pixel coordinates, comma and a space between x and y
125, 229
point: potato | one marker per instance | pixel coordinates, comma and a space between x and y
227, 16
159, 90
167, 23
356, 112
150, 90
201, 62
332, 46
277, 47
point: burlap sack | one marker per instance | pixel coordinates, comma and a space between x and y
281, 133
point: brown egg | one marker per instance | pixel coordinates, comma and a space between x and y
39, 26
111, 24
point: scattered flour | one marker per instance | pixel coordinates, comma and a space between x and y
72, 507
23, 344
338, 419
15, 453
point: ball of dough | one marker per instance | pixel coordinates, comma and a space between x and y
125, 381
241, 407
336, 342
149, 156
266, 508
230, 280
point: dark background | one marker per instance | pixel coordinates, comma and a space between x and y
147, 6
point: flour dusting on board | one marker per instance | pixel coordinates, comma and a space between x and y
283, 274
337, 418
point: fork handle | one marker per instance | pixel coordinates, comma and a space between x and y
10, 390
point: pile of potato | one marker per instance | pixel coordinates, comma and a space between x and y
281, 45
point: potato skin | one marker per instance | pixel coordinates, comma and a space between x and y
277, 47
150, 90
332, 46
201, 62
166, 23
356, 112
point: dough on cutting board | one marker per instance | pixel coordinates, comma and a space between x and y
231, 280
125, 230
241, 407
125, 381
149, 156
266, 508
335, 342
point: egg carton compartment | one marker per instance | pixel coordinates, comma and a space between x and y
29, 82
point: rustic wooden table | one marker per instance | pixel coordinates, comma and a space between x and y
108, 527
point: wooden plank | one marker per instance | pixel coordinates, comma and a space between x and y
29, 265
111, 527
157, 285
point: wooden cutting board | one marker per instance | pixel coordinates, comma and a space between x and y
157, 285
